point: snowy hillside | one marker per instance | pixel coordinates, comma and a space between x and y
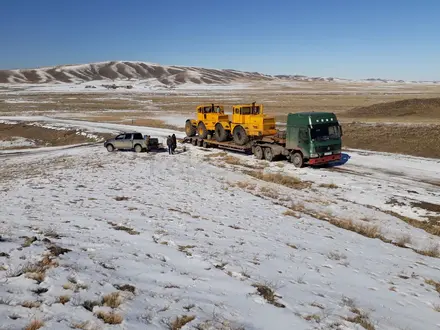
167, 75
162, 74
203, 240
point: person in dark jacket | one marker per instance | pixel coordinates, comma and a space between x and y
170, 145
174, 142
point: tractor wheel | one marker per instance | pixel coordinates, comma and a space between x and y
201, 129
190, 130
268, 154
110, 148
240, 136
220, 133
297, 160
137, 148
258, 152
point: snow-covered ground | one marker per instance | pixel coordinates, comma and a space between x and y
197, 234
16, 141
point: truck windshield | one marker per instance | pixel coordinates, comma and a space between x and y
325, 132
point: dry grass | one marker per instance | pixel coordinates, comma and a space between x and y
231, 160
34, 325
431, 227
431, 251
277, 178
360, 228
313, 317
418, 141
180, 321
216, 154
403, 240
291, 213
433, 283
184, 249
28, 241
31, 304
329, 185
268, 294
336, 256
121, 198
436, 307
63, 299
112, 300
129, 230
126, 287
361, 318
109, 317
68, 286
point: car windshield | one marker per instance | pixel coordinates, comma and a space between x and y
325, 132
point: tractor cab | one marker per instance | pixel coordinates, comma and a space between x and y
242, 112
210, 114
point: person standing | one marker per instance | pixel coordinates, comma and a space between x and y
170, 145
174, 142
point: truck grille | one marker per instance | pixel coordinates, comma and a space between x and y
331, 147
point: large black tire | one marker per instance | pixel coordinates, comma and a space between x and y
268, 154
202, 131
190, 130
220, 133
297, 159
240, 136
258, 152
194, 142
110, 148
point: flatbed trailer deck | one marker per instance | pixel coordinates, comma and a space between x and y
212, 143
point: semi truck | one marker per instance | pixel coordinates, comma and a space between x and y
310, 138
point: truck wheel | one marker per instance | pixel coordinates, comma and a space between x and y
268, 154
201, 129
240, 136
297, 160
190, 130
110, 148
220, 133
137, 148
258, 152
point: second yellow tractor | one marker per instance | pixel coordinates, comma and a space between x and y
248, 122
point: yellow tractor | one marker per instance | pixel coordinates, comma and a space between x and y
207, 117
248, 122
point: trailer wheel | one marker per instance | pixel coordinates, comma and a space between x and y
268, 154
190, 130
220, 133
202, 131
194, 142
200, 143
137, 148
258, 152
205, 144
297, 159
240, 136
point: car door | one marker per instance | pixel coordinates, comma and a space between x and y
119, 141
128, 141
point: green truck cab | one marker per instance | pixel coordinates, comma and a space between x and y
312, 138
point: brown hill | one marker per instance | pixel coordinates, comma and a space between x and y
410, 108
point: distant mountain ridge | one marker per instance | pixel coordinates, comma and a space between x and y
135, 70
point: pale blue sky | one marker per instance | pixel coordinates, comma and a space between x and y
397, 39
